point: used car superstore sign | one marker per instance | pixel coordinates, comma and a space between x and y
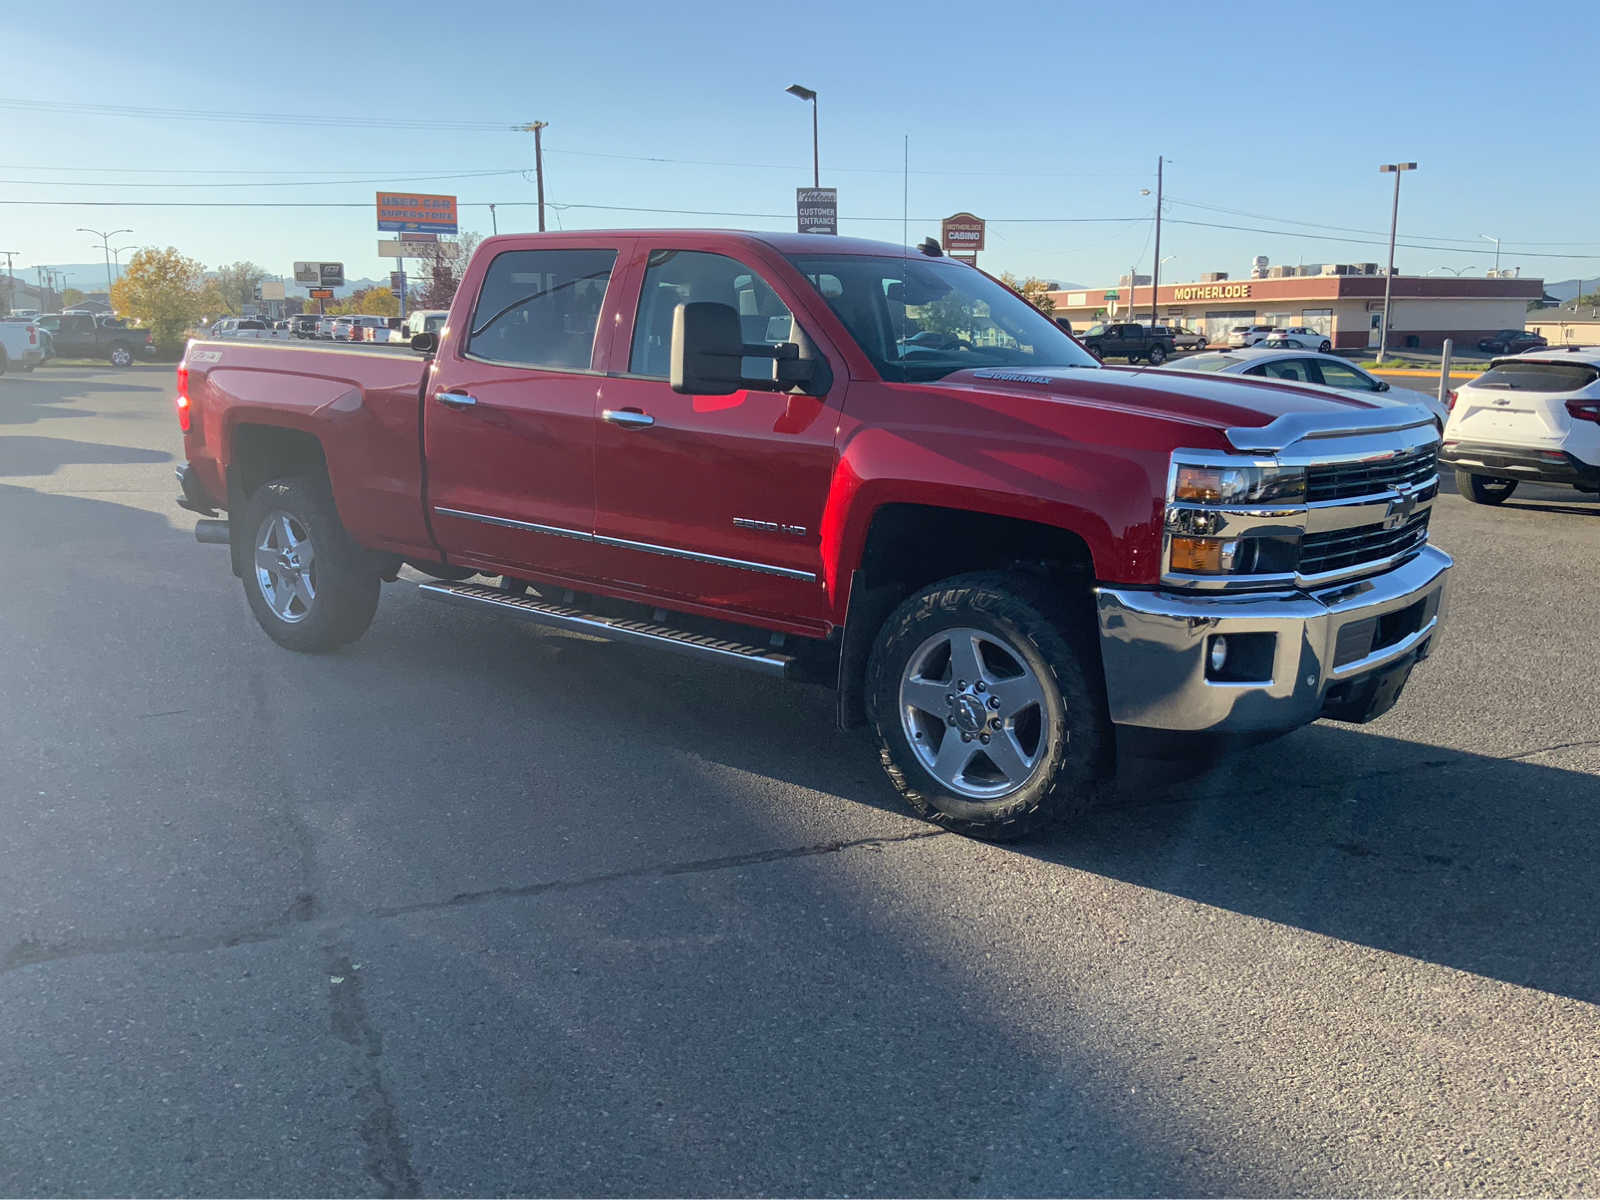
407, 212
1212, 291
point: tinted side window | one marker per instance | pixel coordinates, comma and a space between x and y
539, 308
1340, 376
675, 277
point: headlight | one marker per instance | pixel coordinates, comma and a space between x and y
1250, 483
1233, 519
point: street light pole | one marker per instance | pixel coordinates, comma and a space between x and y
1490, 238
805, 93
105, 245
1396, 169
116, 258
1155, 271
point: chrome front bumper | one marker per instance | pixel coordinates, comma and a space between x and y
1155, 647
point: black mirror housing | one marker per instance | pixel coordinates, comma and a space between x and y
425, 343
708, 353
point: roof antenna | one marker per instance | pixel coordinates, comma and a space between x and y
905, 228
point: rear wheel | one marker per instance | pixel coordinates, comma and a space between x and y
308, 585
1157, 356
121, 356
1484, 489
988, 705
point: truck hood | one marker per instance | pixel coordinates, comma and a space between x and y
1220, 402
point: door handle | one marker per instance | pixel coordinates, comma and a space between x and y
628, 418
455, 399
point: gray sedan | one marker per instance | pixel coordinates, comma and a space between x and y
1306, 367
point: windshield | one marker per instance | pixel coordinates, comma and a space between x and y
920, 319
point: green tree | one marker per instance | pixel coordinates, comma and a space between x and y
164, 290
236, 285
1032, 289
71, 297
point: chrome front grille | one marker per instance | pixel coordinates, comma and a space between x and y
1345, 548
1346, 480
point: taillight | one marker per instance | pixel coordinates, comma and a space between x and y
33, 336
1584, 410
1451, 396
183, 399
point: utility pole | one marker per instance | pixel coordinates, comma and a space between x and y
11, 281
1155, 269
1395, 169
105, 244
534, 127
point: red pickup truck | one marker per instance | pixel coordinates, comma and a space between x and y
840, 461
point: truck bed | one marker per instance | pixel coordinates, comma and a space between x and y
360, 404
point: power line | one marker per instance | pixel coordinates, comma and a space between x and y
260, 183
318, 120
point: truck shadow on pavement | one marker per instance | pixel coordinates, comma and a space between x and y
1483, 864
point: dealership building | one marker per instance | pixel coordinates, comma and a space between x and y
1342, 301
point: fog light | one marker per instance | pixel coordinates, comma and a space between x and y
1219, 654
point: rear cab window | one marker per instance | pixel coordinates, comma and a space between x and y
540, 308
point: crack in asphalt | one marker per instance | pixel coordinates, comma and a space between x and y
302, 911
385, 1152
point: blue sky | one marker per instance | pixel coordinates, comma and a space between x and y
1036, 117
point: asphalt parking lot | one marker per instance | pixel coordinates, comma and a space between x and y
470, 908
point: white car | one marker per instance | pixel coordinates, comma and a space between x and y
1307, 367
1533, 416
1298, 337
21, 347
1241, 336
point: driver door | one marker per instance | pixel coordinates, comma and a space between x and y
716, 500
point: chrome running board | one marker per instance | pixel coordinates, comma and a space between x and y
617, 629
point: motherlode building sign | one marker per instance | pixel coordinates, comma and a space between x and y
319, 274
817, 209
409, 212
962, 235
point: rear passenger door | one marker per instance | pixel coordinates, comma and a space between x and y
713, 500
510, 411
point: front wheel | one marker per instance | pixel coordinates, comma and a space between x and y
988, 704
1157, 356
1484, 489
121, 356
1325, 348
308, 585
1096, 353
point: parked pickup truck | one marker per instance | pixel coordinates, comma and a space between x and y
736, 446
85, 335
21, 345
1132, 342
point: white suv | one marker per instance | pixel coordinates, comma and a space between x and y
1241, 336
1534, 416
1298, 337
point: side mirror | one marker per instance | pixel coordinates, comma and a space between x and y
708, 353
425, 343
1382, 386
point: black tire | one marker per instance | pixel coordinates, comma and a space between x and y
1070, 730
1326, 347
1484, 489
1157, 355
3, 362
345, 583
121, 355
1096, 353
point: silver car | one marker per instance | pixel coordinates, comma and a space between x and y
1306, 367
